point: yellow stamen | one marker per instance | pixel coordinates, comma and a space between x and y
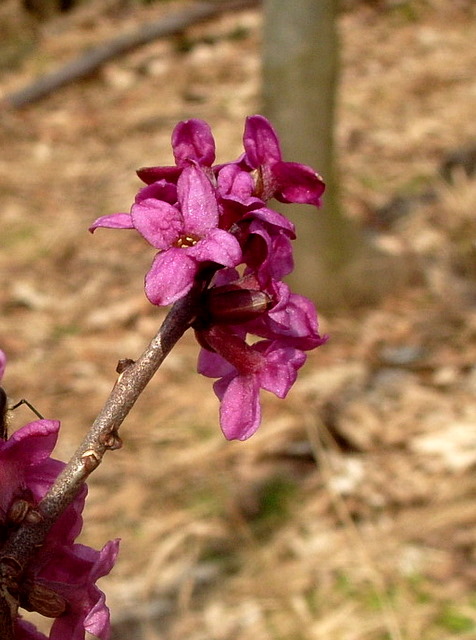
185, 241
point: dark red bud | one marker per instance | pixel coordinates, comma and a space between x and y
236, 306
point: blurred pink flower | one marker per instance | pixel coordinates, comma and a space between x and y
60, 581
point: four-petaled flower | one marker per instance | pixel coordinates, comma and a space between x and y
285, 181
186, 233
243, 370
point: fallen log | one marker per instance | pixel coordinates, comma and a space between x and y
90, 61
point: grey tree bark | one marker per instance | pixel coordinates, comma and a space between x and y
335, 264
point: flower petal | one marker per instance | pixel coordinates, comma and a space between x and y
213, 365
160, 190
98, 620
192, 141
87, 609
40, 477
235, 183
31, 444
154, 174
272, 218
113, 221
3, 363
297, 183
282, 364
269, 255
157, 221
170, 277
261, 142
240, 410
218, 246
296, 323
197, 201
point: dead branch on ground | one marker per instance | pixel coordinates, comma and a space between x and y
90, 61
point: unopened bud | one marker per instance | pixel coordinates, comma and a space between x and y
237, 305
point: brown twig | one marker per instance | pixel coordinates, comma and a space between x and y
89, 62
21, 546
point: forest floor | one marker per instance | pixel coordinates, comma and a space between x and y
351, 515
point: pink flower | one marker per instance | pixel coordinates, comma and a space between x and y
186, 233
286, 321
265, 236
25, 466
71, 571
285, 181
243, 371
182, 222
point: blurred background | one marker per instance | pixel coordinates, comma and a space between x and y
351, 515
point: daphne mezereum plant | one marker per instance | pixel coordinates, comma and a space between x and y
221, 256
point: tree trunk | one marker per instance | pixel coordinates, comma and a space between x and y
335, 265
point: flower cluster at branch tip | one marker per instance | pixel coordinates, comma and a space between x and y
60, 581
211, 224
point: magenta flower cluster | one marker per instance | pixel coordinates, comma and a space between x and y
60, 581
211, 223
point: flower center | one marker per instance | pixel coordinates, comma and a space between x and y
186, 241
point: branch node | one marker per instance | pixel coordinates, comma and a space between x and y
111, 441
91, 460
18, 510
124, 364
33, 516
